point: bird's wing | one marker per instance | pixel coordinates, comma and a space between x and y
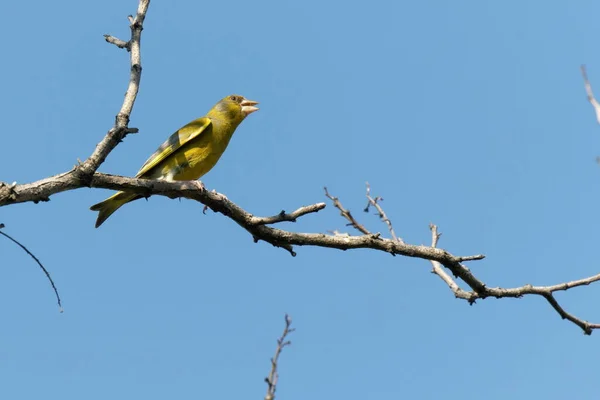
174, 142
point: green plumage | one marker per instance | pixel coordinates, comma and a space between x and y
189, 153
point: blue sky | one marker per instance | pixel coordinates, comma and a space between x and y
471, 115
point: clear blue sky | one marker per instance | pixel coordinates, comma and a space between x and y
471, 115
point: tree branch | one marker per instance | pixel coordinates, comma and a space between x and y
479, 290
346, 214
375, 203
259, 228
273, 377
284, 217
121, 127
545, 291
439, 271
590, 94
82, 173
448, 267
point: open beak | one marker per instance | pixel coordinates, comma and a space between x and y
248, 106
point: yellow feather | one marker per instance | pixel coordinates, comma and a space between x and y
189, 153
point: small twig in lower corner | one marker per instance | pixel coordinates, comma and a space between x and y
271, 380
38, 262
375, 203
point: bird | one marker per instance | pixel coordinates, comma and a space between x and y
189, 153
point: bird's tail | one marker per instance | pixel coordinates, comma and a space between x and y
112, 204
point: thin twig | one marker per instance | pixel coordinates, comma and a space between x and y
346, 214
590, 93
273, 377
38, 262
285, 217
437, 267
117, 42
375, 203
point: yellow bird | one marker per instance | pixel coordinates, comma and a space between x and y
190, 152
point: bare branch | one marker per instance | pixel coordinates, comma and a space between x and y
221, 204
448, 267
121, 127
375, 203
38, 263
590, 94
117, 42
346, 214
284, 217
286, 239
439, 271
81, 174
545, 291
273, 377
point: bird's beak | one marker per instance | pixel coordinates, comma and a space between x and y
248, 106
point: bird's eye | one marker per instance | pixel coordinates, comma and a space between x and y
234, 98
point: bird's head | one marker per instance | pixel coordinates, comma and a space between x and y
233, 108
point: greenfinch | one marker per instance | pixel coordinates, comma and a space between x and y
190, 152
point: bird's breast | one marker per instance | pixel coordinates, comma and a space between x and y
198, 157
